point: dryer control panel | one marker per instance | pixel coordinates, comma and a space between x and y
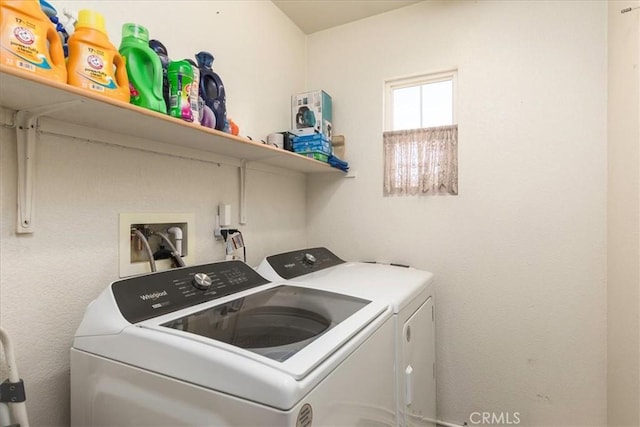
290, 265
143, 297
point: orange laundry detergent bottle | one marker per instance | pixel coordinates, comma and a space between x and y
29, 41
92, 59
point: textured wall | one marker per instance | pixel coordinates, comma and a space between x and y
623, 267
48, 278
520, 254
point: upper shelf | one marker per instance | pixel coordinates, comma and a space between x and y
20, 91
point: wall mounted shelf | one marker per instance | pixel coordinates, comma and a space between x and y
32, 97
20, 91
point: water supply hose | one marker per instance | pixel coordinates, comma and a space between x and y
147, 248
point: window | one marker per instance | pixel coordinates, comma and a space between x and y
421, 136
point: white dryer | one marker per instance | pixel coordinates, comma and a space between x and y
219, 345
409, 293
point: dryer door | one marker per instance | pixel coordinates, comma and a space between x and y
418, 367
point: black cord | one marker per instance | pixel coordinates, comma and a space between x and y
226, 231
244, 249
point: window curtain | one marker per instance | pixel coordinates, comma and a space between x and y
421, 161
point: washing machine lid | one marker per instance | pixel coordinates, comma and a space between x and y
229, 340
275, 323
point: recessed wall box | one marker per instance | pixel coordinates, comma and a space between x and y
133, 256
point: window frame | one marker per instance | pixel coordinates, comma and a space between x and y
418, 80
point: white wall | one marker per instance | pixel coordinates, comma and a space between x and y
520, 254
623, 266
48, 278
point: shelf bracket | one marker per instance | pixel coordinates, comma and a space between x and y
243, 191
26, 124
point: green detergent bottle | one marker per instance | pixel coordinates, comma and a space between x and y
180, 75
143, 68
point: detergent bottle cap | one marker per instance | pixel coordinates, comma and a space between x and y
205, 59
48, 9
158, 47
91, 19
136, 31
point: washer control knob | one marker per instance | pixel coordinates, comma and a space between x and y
201, 281
309, 259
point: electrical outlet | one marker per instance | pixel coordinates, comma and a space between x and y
161, 232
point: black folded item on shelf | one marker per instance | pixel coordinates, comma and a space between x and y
338, 163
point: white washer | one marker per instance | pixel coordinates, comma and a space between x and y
409, 293
219, 345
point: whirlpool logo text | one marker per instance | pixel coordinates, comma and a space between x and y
154, 296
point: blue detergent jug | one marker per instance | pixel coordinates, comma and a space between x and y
212, 90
